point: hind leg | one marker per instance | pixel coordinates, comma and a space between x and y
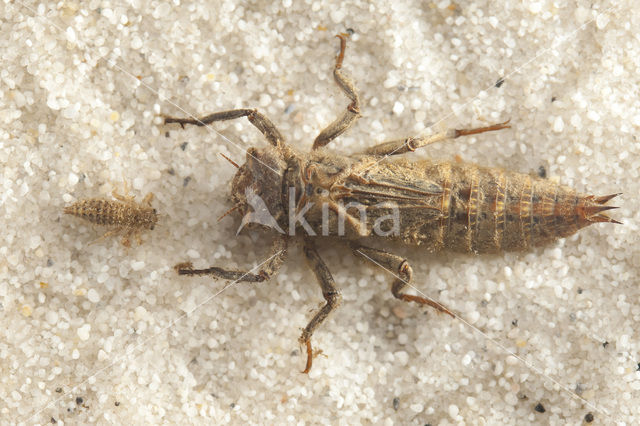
400, 146
401, 269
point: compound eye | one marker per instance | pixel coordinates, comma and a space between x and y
154, 211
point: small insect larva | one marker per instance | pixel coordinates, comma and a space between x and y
123, 214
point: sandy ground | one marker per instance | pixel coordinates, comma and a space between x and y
101, 333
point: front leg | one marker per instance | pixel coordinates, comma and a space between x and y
351, 114
146, 201
329, 291
126, 198
269, 268
266, 127
401, 146
400, 269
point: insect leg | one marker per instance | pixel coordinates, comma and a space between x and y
266, 127
401, 146
270, 267
107, 234
126, 198
330, 293
357, 226
147, 199
126, 241
351, 114
123, 198
137, 235
401, 269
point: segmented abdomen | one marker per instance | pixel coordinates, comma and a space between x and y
107, 212
468, 208
493, 209
487, 210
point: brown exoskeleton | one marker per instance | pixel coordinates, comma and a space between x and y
436, 205
123, 214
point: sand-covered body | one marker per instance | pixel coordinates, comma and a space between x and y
455, 206
122, 214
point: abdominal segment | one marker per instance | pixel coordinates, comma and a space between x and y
467, 208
